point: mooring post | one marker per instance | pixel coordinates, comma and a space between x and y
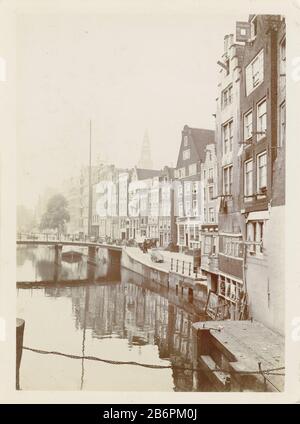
57, 262
58, 253
91, 265
19, 347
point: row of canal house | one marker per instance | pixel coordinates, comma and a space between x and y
250, 142
226, 195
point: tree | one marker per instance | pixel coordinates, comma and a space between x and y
56, 214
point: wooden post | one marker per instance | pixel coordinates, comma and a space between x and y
58, 252
57, 262
91, 265
19, 347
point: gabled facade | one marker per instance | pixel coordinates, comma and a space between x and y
139, 202
230, 257
166, 222
187, 188
263, 166
210, 212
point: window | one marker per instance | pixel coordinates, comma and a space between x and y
248, 178
282, 115
261, 171
227, 180
255, 232
204, 194
180, 190
211, 215
227, 137
186, 154
204, 213
187, 208
227, 96
207, 245
193, 169
181, 234
261, 119
255, 72
204, 174
248, 125
180, 209
185, 140
187, 188
282, 55
211, 174
210, 193
195, 187
195, 207
181, 172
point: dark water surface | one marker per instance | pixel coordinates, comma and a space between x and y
122, 318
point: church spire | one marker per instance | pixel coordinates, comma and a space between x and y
145, 161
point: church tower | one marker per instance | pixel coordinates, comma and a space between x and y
145, 161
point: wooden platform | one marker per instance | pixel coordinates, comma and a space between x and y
244, 347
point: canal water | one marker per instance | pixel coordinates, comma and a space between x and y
118, 316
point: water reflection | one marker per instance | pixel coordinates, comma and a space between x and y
37, 264
125, 320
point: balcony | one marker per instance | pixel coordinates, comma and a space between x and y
210, 263
231, 265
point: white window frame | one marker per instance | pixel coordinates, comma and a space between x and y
181, 172
248, 192
187, 208
247, 133
186, 154
259, 126
253, 76
227, 127
193, 169
211, 214
227, 181
227, 96
187, 188
282, 124
258, 171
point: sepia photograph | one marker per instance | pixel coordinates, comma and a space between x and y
150, 201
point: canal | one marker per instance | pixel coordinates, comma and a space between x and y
117, 317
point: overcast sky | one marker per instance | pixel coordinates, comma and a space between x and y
126, 72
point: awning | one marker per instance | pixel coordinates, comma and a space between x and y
258, 216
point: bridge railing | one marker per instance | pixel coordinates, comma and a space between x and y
45, 237
49, 237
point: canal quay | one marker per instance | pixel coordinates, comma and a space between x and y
163, 270
129, 329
